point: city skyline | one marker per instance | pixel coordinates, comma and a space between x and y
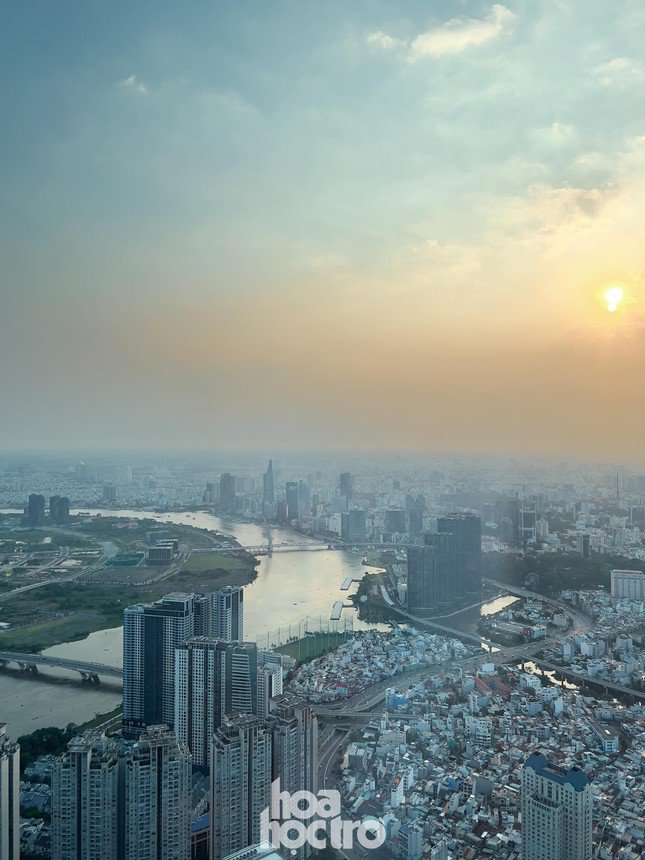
231, 220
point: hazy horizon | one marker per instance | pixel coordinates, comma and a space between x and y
324, 226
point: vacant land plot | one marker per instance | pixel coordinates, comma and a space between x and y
199, 561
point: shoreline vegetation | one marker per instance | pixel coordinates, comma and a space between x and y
69, 611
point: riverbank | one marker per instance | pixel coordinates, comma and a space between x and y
371, 607
287, 592
53, 613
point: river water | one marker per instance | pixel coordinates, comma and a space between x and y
290, 586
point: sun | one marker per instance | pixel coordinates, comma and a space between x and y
613, 297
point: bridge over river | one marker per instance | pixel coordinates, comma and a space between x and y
88, 671
94, 671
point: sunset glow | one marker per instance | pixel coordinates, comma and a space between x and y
283, 215
614, 296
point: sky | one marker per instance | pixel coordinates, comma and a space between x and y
324, 224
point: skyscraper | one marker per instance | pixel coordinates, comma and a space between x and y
395, 521
59, 509
151, 632
122, 801
557, 810
295, 748
241, 770
295, 744
109, 493
445, 591
466, 529
422, 580
346, 485
154, 796
84, 800
415, 517
304, 501
353, 525
583, 544
292, 500
227, 613
269, 686
268, 488
9, 797
36, 510
227, 492
212, 679
528, 524
433, 576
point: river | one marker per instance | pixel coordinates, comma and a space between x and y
289, 587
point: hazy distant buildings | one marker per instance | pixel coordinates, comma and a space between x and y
637, 516
415, 518
268, 488
109, 493
241, 775
151, 632
583, 544
506, 531
353, 525
512, 512
628, 583
346, 485
210, 494
9, 797
557, 812
395, 522
59, 509
227, 492
304, 501
291, 492
35, 512
528, 525
212, 679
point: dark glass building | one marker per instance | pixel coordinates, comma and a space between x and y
467, 532
268, 488
36, 510
59, 509
227, 492
292, 500
346, 484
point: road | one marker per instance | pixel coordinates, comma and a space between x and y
581, 622
63, 554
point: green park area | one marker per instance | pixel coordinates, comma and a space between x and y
62, 612
551, 572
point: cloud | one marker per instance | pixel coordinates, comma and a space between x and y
619, 72
383, 41
133, 83
461, 33
555, 135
